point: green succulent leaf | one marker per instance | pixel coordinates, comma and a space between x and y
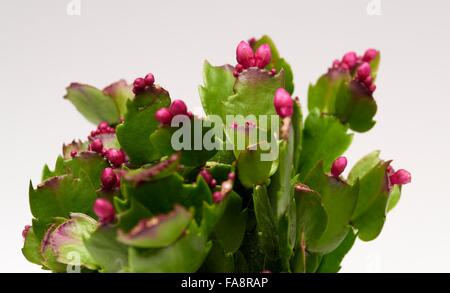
120, 92
324, 139
92, 103
186, 255
312, 217
306, 262
65, 242
280, 188
339, 200
134, 133
157, 196
277, 62
374, 65
59, 196
331, 262
130, 217
322, 95
252, 169
370, 212
218, 85
150, 173
218, 261
394, 197
363, 166
253, 87
297, 124
266, 222
192, 155
158, 231
356, 106
111, 255
230, 228
31, 247
287, 231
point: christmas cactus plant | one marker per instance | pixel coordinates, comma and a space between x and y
252, 186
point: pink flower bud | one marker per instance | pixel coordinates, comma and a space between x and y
138, 84
103, 126
96, 146
263, 56
164, 116
104, 210
149, 79
25, 231
284, 105
245, 55
350, 59
115, 157
372, 88
364, 71
217, 197
73, 153
400, 177
108, 178
338, 166
232, 176
213, 183
370, 55
239, 68
178, 107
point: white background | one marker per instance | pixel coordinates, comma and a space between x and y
42, 50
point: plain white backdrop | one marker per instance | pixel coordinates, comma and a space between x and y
43, 49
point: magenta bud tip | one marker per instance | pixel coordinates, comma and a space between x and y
149, 79
104, 210
164, 116
338, 166
284, 105
400, 177
178, 107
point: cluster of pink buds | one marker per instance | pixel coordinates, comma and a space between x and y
247, 58
361, 64
338, 166
116, 157
104, 211
109, 179
284, 105
364, 76
399, 177
102, 128
140, 84
177, 107
208, 178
